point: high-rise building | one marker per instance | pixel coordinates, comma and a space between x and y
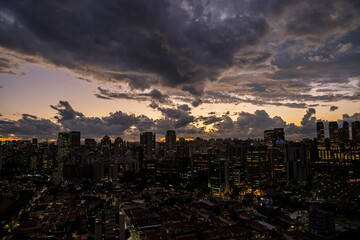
320, 134
269, 138
279, 134
257, 166
118, 146
200, 164
147, 140
321, 222
334, 134
106, 141
355, 130
170, 144
74, 138
297, 163
63, 147
278, 159
219, 176
345, 132
90, 146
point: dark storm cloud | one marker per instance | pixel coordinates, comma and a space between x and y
176, 44
307, 116
318, 19
153, 95
333, 108
114, 124
29, 126
123, 124
66, 112
278, 52
196, 102
226, 97
253, 125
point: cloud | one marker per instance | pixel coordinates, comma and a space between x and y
267, 52
84, 79
66, 112
128, 126
29, 126
319, 19
307, 116
173, 44
333, 108
196, 102
153, 95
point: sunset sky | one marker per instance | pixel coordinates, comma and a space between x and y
213, 69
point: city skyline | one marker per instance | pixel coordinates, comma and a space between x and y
211, 69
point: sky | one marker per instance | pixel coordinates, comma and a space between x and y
211, 69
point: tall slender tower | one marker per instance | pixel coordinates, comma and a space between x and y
147, 140
170, 144
346, 132
74, 138
355, 129
63, 147
334, 134
320, 134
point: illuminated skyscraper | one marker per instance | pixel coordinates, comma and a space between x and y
334, 134
269, 138
63, 147
320, 134
257, 166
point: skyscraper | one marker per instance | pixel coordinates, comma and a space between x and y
170, 144
320, 134
279, 134
269, 138
355, 130
257, 166
334, 134
118, 146
298, 164
63, 146
147, 140
346, 132
74, 138
90, 146
219, 176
